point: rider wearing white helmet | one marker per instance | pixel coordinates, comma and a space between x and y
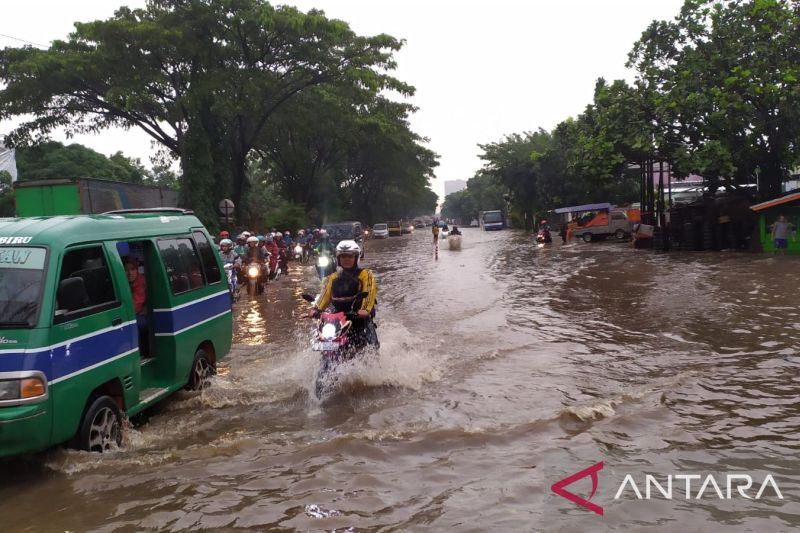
344, 287
324, 243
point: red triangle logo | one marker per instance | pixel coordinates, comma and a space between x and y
558, 487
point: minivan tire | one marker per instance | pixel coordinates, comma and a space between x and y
101, 427
620, 234
202, 370
587, 237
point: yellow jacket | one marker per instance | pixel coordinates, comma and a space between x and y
366, 282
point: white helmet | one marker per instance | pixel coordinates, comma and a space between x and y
246, 234
348, 247
323, 233
252, 239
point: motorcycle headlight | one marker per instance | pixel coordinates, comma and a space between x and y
324, 261
252, 272
298, 249
328, 331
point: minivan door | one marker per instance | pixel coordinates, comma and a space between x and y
92, 343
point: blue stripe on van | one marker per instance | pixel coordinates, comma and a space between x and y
65, 359
176, 319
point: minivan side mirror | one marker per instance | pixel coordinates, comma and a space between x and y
72, 294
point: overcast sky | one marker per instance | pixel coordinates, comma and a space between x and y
482, 69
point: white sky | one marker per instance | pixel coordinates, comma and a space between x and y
481, 69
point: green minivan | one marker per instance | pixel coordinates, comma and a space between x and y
102, 316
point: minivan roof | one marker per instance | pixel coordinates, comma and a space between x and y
62, 231
345, 223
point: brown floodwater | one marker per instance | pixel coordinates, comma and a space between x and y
503, 368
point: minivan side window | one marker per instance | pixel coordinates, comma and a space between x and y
84, 285
182, 264
207, 256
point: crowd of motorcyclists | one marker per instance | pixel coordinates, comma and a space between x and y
269, 253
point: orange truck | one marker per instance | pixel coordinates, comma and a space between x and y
594, 222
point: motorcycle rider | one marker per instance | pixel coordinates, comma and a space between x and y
544, 225
455, 231
287, 238
229, 255
223, 235
324, 243
241, 244
272, 249
283, 253
254, 253
342, 289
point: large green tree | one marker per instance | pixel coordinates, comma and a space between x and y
202, 78
50, 160
724, 78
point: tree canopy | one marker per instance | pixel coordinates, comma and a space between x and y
204, 79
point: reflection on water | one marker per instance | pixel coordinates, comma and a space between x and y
504, 367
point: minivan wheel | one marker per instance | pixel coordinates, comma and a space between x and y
101, 427
587, 237
620, 234
202, 370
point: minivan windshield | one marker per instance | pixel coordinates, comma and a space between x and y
380, 226
21, 275
340, 231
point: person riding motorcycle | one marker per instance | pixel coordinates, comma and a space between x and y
254, 253
229, 255
241, 245
287, 238
324, 243
283, 253
342, 289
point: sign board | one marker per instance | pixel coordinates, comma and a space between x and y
226, 207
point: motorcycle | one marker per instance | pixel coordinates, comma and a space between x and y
544, 237
325, 265
233, 282
256, 277
333, 339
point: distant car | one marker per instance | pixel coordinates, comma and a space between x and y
380, 231
395, 229
407, 227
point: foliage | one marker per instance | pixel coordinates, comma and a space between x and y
6, 195
202, 78
723, 78
51, 160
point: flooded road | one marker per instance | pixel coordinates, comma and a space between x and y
504, 367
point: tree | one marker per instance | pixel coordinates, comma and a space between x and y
7, 207
202, 78
724, 80
52, 160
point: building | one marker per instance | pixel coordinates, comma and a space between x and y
452, 186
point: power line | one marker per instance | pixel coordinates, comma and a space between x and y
22, 40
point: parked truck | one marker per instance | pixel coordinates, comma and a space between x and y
594, 222
83, 196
